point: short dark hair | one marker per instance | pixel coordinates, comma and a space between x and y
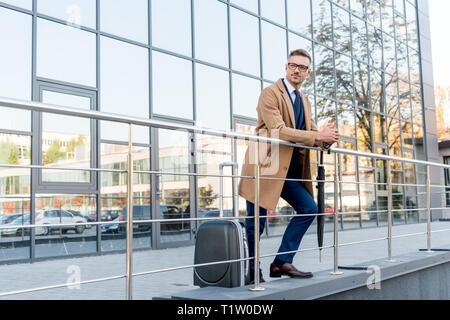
300, 52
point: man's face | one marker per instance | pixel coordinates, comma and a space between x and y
294, 73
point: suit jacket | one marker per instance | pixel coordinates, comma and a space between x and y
276, 120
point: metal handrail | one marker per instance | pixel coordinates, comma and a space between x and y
40, 107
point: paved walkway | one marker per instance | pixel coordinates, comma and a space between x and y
53, 272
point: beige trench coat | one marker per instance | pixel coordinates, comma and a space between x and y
276, 120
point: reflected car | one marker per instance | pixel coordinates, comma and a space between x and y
57, 216
140, 212
80, 215
16, 226
9, 218
113, 216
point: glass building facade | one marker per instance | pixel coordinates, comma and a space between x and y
203, 63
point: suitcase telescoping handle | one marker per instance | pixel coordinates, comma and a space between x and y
234, 167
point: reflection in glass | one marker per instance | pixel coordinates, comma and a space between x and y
66, 53
66, 146
244, 42
211, 32
212, 93
357, 7
124, 87
299, 16
171, 25
251, 5
361, 84
387, 16
326, 112
15, 66
274, 10
27, 4
414, 67
346, 120
174, 193
211, 152
404, 102
407, 134
322, 22
273, 51
409, 172
122, 19
364, 130
402, 61
416, 101
379, 128
246, 92
359, 39
393, 126
389, 54
375, 47
376, 90
411, 25
74, 12
373, 13
114, 197
341, 25
72, 209
324, 71
391, 96
400, 29
344, 79
168, 98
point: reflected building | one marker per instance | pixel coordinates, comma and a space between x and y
203, 63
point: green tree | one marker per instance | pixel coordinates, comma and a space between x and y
53, 153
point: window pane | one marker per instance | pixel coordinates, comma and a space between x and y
120, 18
324, 71
246, 92
299, 16
27, 4
171, 25
341, 26
169, 99
66, 53
376, 90
359, 38
391, 96
274, 10
393, 127
15, 187
124, 87
361, 84
379, 128
66, 146
326, 112
74, 12
357, 7
213, 98
244, 42
375, 47
373, 13
344, 79
364, 130
67, 240
387, 16
273, 51
15, 66
174, 200
346, 120
322, 22
211, 32
251, 5
114, 201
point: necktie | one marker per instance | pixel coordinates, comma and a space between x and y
298, 108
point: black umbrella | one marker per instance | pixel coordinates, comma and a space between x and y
320, 204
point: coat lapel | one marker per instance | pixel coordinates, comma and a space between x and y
306, 112
287, 101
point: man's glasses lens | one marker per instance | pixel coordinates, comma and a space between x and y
294, 66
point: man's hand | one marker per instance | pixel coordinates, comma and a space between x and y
329, 135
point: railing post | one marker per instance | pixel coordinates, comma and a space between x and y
389, 209
336, 215
129, 250
428, 184
256, 214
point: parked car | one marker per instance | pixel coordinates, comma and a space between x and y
16, 226
80, 215
57, 216
8, 218
140, 212
113, 216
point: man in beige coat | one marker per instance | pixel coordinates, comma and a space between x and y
284, 113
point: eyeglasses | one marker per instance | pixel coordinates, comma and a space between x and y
300, 67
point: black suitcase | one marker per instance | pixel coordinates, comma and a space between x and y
221, 240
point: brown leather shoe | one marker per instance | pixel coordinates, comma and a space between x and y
289, 270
